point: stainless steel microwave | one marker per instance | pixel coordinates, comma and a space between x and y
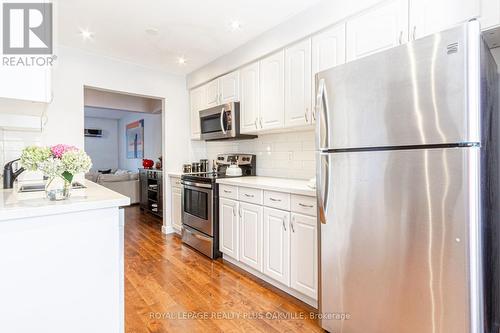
222, 123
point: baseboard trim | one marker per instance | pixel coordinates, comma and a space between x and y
167, 230
304, 298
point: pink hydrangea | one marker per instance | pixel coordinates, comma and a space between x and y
60, 149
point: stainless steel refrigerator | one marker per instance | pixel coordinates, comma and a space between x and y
407, 179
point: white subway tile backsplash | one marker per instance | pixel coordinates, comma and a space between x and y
287, 155
11, 145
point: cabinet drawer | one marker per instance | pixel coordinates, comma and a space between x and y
228, 191
277, 200
304, 204
175, 182
251, 195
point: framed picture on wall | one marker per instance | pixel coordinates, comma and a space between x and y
135, 139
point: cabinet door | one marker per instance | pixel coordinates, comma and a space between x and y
228, 227
251, 235
428, 17
298, 84
304, 255
176, 208
249, 107
328, 50
230, 87
378, 29
272, 91
212, 97
490, 14
26, 83
196, 97
277, 245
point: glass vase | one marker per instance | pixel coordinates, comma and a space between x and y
58, 188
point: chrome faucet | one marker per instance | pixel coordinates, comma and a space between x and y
9, 175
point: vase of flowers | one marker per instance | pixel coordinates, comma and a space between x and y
59, 164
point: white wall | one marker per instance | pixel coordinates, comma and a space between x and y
152, 139
104, 150
75, 69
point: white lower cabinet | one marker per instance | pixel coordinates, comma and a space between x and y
176, 203
272, 235
277, 245
251, 235
304, 254
228, 227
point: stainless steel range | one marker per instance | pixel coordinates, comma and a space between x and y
200, 203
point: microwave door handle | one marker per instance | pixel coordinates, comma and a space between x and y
222, 121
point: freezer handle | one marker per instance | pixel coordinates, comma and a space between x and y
322, 178
322, 130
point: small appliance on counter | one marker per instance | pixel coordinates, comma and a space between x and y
200, 201
147, 164
186, 168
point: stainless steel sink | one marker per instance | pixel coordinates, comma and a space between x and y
41, 187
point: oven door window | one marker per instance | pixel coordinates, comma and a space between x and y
196, 203
211, 124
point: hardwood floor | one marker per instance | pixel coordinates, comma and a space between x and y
169, 287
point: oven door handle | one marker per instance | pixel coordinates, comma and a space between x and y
222, 121
185, 182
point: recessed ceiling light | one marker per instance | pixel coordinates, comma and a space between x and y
235, 25
86, 34
152, 31
181, 61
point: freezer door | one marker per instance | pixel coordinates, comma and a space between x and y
424, 92
399, 244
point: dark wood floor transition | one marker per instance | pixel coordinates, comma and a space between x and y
169, 287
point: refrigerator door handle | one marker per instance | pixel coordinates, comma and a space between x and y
322, 129
323, 175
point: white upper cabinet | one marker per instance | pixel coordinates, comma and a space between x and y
304, 255
229, 86
197, 101
328, 50
378, 29
251, 235
212, 96
26, 83
431, 16
277, 245
249, 106
298, 80
272, 99
228, 227
490, 13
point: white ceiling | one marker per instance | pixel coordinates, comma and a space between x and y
198, 30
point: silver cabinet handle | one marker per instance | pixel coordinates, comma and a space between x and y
401, 37
234, 212
260, 120
291, 224
414, 34
255, 123
275, 200
306, 115
222, 121
249, 195
284, 227
239, 212
304, 205
226, 191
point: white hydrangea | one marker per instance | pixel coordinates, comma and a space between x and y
76, 161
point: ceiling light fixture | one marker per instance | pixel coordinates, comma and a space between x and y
86, 34
235, 25
181, 61
152, 31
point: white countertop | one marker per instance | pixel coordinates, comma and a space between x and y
294, 186
15, 205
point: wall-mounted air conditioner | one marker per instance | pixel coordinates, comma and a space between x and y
93, 132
